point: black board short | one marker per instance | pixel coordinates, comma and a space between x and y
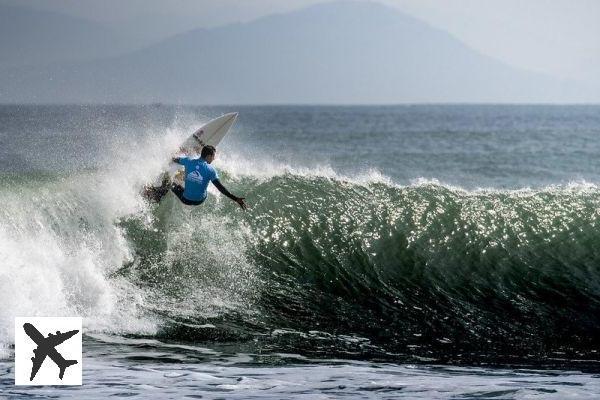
178, 190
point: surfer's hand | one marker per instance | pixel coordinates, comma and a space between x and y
241, 202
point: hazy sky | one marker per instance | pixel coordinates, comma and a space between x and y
558, 37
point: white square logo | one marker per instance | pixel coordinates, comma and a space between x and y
48, 351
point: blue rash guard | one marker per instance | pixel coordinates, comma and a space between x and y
198, 174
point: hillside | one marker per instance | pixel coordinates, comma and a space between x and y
340, 52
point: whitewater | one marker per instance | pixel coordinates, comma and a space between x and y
456, 243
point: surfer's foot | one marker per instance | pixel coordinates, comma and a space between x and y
154, 193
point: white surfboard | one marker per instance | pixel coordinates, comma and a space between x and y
209, 134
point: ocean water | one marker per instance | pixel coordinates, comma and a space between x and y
398, 251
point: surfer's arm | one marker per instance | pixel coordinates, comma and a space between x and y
178, 160
222, 189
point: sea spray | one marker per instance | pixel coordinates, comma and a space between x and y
59, 244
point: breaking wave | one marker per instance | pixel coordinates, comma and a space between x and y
320, 264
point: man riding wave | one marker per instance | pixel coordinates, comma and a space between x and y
198, 174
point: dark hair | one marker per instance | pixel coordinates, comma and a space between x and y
208, 151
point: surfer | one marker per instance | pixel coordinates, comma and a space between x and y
198, 174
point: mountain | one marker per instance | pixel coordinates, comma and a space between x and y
32, 37
340, 52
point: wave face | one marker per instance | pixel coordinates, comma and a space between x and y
325, 266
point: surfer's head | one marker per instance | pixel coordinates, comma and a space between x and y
208, 153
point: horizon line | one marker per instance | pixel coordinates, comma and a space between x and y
407, 104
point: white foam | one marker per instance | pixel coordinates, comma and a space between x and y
217, 279
261, 169
59, 245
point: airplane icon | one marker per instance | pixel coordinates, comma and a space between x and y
46, 347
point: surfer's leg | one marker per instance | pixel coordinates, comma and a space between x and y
178, 190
